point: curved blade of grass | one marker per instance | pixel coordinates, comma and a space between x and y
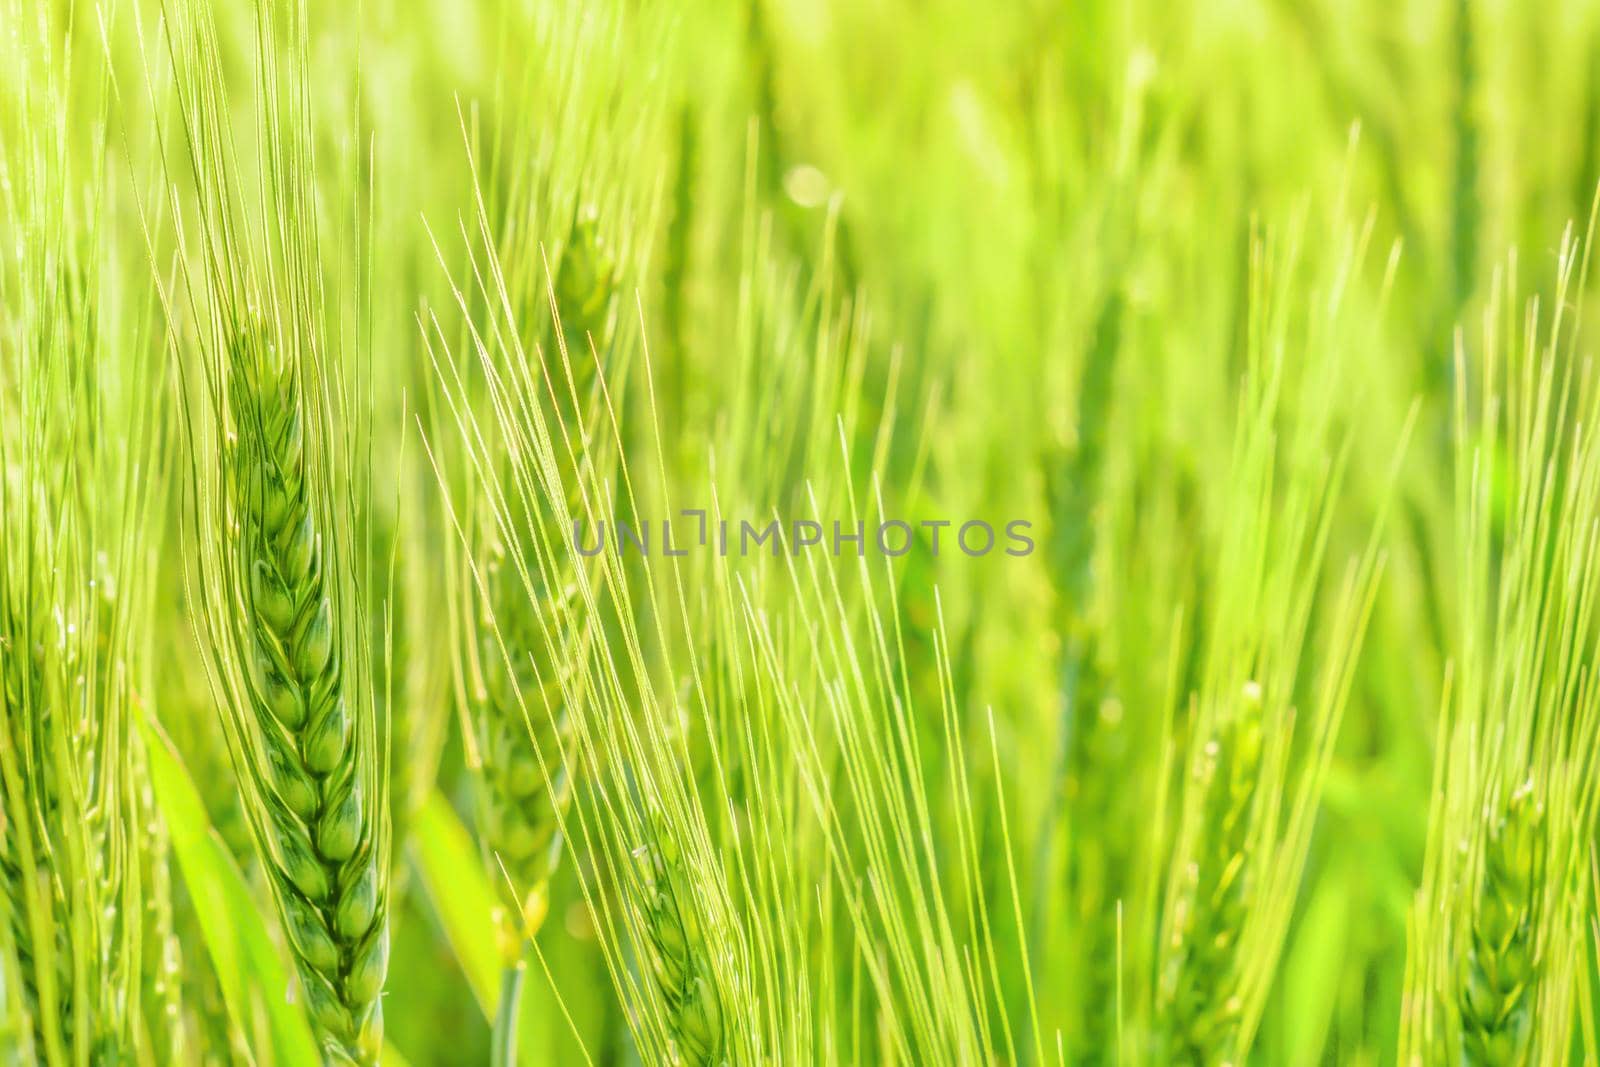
451, 871
1317, 954
245, 959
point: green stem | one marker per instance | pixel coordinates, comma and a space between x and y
503, 1052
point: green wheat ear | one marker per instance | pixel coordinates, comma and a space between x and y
521, 815
522, 721
681, 961
319, 828
1201, 1008
585, 283
1499, 973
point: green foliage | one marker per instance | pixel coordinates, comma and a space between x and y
334, 337
235, 937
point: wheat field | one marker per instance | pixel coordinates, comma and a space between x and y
837, 532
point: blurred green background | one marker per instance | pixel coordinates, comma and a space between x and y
1175, 281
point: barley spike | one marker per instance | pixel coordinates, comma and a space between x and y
521, 821
319, 829
1200, 1007
1500, 972
681, 960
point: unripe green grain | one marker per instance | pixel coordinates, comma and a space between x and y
281, 698
289, 779
1200, 1005
298, 863
327, 738
521, 718
357, 906
339, 830
308, 934
370, 966
315, 643
681, 957
272, 597
1499, 975
327, 1010
319, 836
